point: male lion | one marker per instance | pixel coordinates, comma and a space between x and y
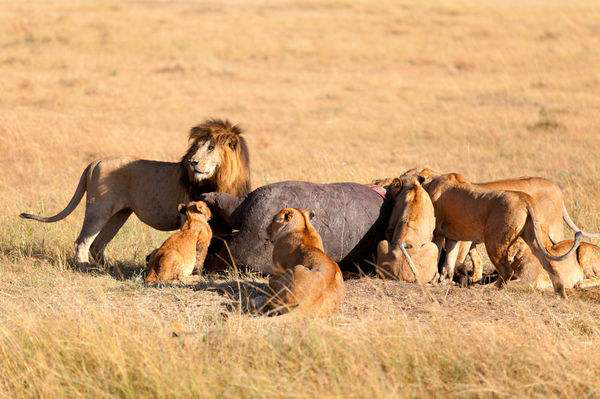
413, 256
304, 279
466, 212
184, 250
216, 160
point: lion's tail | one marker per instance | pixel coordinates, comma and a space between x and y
81, 189
537, 230
573, 226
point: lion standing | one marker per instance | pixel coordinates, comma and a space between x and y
500, 219
216, 160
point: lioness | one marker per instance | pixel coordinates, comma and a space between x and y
180, 253
550, 209
413, 256
466, 212
216, 160
304, 277
579, 271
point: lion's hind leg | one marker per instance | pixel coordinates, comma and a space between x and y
309, 289
498, 252
108, 232
279, 298
93, 223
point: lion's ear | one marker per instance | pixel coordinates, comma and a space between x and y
203, 209
420, 179
309, 213
287, 215
425, 175
459, 178
181, 208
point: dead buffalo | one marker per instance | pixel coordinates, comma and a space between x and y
350, 217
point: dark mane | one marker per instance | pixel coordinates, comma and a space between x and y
234, 180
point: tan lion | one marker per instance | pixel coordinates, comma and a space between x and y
413, 256
581, 270
183, 251
216, 160
304, 278
549, 207
466, 212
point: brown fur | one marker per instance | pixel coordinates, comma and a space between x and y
466, 212
412, 224
233, 175
579, 271
549, 205
304, 278
186, 249
118, 187
549, 209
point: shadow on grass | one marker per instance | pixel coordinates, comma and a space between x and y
243, 294
122, 271
587, 294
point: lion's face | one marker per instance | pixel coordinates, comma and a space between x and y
204, 159
194, 211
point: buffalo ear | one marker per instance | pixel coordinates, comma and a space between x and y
181, 208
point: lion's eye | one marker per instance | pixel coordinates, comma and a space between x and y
211, 147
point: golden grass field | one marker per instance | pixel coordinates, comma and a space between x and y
326, 91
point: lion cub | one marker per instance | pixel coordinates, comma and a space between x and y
303, 277
412, 256
179, 254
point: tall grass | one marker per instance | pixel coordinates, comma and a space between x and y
326, 91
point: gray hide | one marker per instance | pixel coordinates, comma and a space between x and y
350, 218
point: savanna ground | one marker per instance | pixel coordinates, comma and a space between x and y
327, 91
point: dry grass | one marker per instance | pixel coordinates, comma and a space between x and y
327, 91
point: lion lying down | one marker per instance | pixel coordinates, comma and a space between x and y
186, 249
581, 270
412, 256
305, 279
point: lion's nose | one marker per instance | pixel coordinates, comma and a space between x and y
193, 163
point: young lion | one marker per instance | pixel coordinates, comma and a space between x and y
180, 253
413, 256
303, 277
